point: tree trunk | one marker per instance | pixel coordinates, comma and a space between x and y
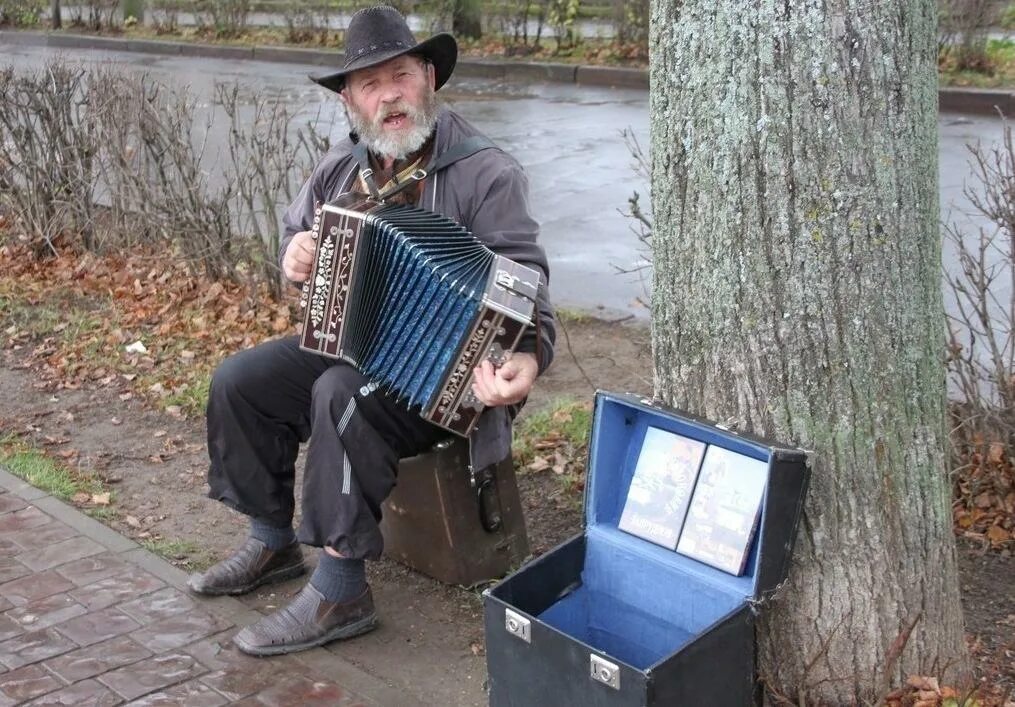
56, 20
466, 20
798, 295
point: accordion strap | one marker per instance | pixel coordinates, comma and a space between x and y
457, 152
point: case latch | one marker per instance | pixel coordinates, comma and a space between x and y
518, 625
604, 671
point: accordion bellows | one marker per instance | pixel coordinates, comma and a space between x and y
415, 302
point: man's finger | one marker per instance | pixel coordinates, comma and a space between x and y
486, 384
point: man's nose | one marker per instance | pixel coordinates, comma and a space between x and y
391, 93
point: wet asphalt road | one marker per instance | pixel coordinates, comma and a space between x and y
569, 140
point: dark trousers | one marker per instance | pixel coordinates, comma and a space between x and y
266, 400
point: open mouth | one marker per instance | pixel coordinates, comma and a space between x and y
395, 120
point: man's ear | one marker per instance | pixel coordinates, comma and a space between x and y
344, 94
431, 74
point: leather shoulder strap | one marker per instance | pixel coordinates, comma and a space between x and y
457, 152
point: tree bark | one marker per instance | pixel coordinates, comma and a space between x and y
797, 295
467, 19
56, 20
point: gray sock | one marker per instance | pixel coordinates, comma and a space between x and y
273, 537
339, 579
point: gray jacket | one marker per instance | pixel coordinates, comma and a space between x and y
487, 193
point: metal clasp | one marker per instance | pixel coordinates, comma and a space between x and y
604, 671
518, 625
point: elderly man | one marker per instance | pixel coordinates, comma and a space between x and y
266, 400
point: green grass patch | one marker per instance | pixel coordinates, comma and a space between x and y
31, 318
103, 514
560, 427
34, 467
572, 316
182, 553
554, 441
191, 398
997, 67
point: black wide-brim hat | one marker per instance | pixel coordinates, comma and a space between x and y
377, 34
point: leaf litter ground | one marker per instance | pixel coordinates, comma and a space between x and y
105, 367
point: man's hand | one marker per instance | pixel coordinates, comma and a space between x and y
508, 384
298, 260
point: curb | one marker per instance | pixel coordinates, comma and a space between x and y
475, 68
345, 673
978, 101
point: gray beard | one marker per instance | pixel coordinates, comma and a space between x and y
400, 145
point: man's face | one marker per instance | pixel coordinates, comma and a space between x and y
392, 106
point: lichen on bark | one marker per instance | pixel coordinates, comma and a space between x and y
797, 294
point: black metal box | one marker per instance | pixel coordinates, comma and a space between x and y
609, 619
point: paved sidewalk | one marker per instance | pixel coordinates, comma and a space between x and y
88, 617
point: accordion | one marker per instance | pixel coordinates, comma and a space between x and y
415, 302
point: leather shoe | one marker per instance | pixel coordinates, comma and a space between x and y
308, 621
250, 566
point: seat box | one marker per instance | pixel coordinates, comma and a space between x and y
609, 618
453, 525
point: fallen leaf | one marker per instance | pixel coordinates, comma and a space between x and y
562, 415
922, 682
998, 535
132, 522
538, 464
984, 500
137, 347
80, 498
101, 499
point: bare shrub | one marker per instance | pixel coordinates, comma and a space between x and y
47, 145
227, 18
165, 14
264, 156
95, 14
963, 33
108, 159
630, 21
21, 13
515, 24
307, 23
982, 331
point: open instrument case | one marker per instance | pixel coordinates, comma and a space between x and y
609, 619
